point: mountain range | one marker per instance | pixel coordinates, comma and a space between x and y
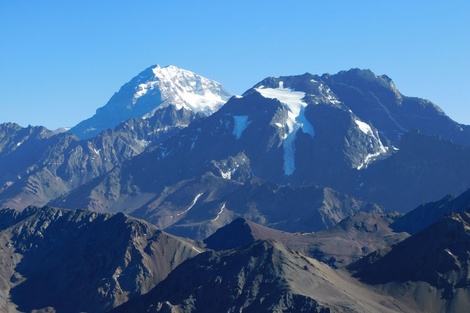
301, 183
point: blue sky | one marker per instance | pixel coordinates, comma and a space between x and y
61, 60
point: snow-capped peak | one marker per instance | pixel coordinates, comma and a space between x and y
182, 88
155, 88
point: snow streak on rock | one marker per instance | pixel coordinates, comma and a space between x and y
295, 121
240, 124
191, 206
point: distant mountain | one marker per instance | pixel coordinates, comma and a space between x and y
295, 153
78, 261
258, 135
260, 277
153, 89
351, 239
432, 266
291, 131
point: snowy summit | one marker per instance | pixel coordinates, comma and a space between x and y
155, 88
182, 88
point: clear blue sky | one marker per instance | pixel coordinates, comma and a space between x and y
61, 60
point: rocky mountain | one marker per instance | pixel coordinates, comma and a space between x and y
260, 277
425, 169
295, 131
431, 266
38, 165
376, 100
197, 207
79, 261
289, 183
155, 88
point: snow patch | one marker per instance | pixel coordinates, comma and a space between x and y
191, 206
228, 174
97, 152
295, 121
197, 250
220, 212
240, 124
366, 129
184, 89
143, 143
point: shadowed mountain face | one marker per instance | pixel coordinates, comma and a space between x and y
425, 169
74, 261
377, 100
260, 277
427, 214
38, 165
437, 256
241, 232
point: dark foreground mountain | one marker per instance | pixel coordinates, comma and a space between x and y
260, 277
431, 266
78, 261
241, 232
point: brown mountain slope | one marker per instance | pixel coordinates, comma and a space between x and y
349, 240
264, 276
74, 261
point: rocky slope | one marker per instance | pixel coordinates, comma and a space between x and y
75, 261
260, 277
197, 207
351, 239
376, 99
38, 165
432, 266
